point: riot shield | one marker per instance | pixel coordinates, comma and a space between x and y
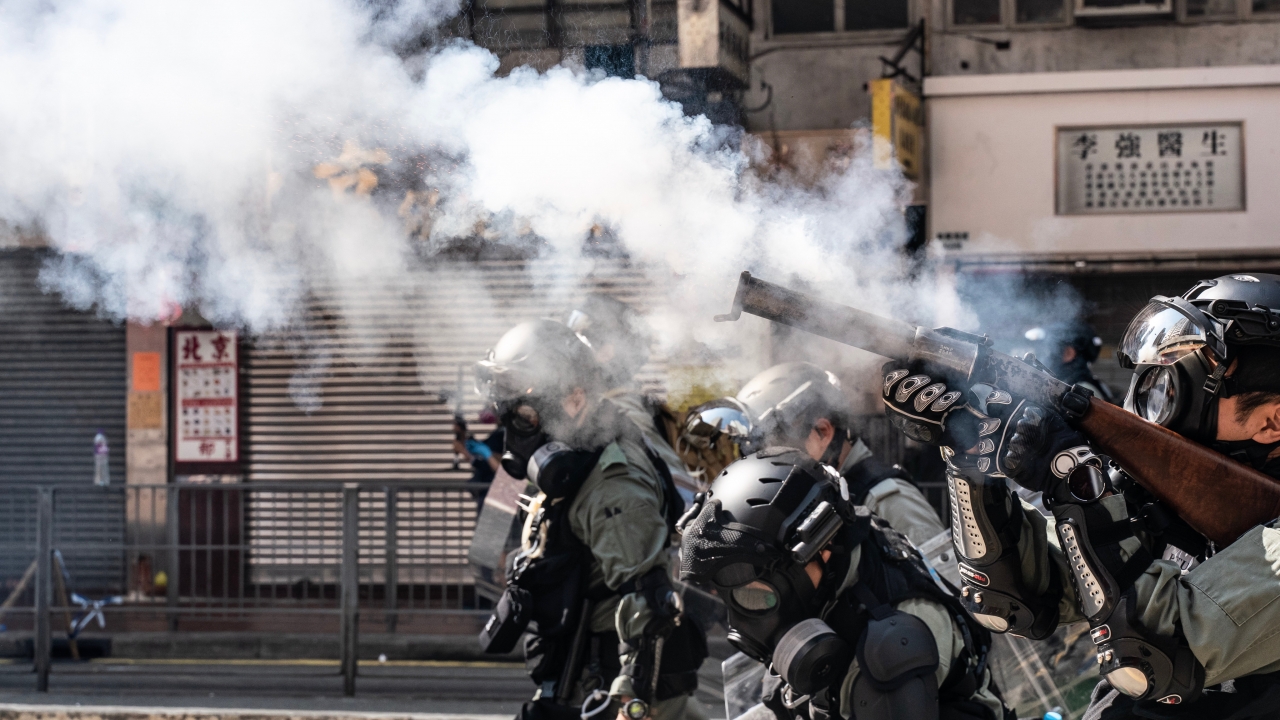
497, 533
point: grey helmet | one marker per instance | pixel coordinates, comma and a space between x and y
540, 359
787, 399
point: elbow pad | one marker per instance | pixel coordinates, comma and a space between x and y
1141, 665
897, 657
986, 523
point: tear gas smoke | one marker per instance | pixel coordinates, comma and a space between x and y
170, 152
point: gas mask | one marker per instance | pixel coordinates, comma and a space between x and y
524, 436
1179, 359
777, 609
558, 470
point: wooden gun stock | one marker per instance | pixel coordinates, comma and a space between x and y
1219, 497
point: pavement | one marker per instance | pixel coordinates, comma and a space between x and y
279, 688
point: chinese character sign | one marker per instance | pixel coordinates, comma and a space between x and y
206, 396
1155, 169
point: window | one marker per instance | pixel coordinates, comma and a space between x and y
811, 16
1042, 11
614, 60
975, 12
803, 16
1266, 6
875, 14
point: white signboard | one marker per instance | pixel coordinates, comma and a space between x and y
206, 397
1150, 169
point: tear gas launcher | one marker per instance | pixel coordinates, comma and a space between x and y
1219, 497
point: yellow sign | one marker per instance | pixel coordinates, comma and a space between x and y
897, 127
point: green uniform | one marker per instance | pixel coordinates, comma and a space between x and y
618, 515
1225, 607
897, 501
632, 404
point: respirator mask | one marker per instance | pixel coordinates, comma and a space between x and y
1179, 358
558, 470
775, 609
522, 438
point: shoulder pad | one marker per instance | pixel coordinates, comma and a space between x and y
897, 649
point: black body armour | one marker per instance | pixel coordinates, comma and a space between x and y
890, 571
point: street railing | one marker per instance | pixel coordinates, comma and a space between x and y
320, 557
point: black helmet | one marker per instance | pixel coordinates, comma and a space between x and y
1181, 348
763, 520
612, 326
536, 359
787, 399
1049, 340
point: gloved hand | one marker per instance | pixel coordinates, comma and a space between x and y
917, 404
1043, 450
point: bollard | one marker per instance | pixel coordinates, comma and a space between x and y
350, 588
44, 587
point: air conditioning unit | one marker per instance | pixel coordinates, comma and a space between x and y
1101, 9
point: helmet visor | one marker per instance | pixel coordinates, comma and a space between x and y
1165, 332
725, 416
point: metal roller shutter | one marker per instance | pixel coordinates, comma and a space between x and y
62, 380
362, 390
356, 394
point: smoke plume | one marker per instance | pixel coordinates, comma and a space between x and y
218, 156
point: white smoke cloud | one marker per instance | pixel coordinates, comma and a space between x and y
168, 150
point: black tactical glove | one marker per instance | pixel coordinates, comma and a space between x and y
1043, 450
917, 404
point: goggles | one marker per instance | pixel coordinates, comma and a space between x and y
725, 416
1167, 330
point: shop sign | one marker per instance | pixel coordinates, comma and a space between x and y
206, 397
1150, 169
897, 127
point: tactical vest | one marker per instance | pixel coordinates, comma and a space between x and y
891, 571
869, 473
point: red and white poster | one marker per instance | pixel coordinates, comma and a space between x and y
206, 396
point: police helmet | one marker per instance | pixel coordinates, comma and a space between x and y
1180, 349
787, 399
540, 359
751, 535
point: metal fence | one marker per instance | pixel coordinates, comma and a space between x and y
272, 556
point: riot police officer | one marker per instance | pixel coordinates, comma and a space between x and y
620, 338
798, 404
1068, 350
840, 606
593, 566
1183, 629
